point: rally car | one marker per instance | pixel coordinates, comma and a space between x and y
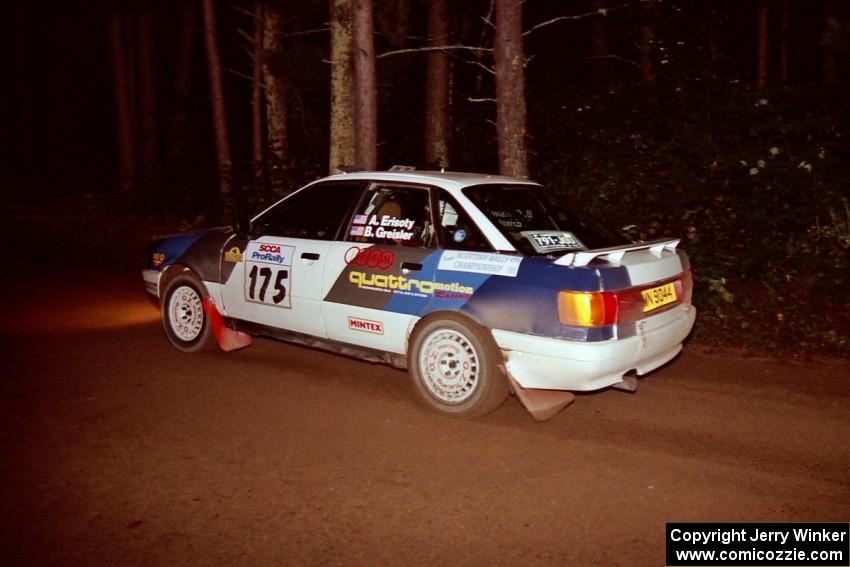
480, 285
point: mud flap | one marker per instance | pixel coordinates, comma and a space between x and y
541, 404
629, 384
227, 338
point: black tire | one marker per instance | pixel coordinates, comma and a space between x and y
454, 367
183, 317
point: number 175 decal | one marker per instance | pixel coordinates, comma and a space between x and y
267, 284
267, 278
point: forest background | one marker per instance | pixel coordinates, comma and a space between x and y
722, 122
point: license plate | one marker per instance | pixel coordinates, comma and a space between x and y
656, 297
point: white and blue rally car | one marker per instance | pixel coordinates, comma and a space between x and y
480, 285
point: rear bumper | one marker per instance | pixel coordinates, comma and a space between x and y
151, 278
555, 364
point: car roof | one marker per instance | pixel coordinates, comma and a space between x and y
447, 179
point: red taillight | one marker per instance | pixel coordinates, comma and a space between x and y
686, 286
587, 309
600, 308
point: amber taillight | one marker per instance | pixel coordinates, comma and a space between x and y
601, 308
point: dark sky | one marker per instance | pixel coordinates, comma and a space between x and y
59, 114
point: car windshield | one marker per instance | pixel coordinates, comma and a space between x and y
536, 223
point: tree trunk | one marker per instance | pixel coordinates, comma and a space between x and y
222, 145
123, 116
147, 84
365, 90
342, 87
712, 41
830, 29
761, 51
131, 58
647, 40
784, 73
257, 91
20, 143
179, 119
510, 89
599, 44
437, 87
275, 85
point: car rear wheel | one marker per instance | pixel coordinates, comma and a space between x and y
454, 367
186, 324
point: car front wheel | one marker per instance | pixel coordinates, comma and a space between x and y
454, 367
186, 324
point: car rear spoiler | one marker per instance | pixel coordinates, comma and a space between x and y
615, 254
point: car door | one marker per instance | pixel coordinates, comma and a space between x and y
273, 275
379, 280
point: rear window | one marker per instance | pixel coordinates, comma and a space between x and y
537, 223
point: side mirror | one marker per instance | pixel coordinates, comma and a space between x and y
242, 226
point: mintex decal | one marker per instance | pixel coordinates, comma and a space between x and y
267, 269
376, 258
407, 286
365, 325
387, 227
545, 241
480, 263
233, 255
157, 259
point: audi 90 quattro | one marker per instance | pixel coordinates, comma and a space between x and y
479, 285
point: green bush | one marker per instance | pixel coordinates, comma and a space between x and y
755, 184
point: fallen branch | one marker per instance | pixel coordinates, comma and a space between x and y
482, 65
615, 58
600, 12
245, 35
306, 32
434, 48
243, 75
243, 11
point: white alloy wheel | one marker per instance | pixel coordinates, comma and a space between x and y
454, 366
449, 365
183, 316
186, 313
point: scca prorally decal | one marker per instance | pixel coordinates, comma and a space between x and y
375, 258
366, 325
270, 253
408, 286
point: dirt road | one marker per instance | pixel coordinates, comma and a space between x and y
117, 449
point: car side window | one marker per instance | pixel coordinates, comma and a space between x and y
456, 229
390, 215
315, 213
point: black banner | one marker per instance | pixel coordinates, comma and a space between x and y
760, 545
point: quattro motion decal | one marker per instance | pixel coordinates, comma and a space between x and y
402, 285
